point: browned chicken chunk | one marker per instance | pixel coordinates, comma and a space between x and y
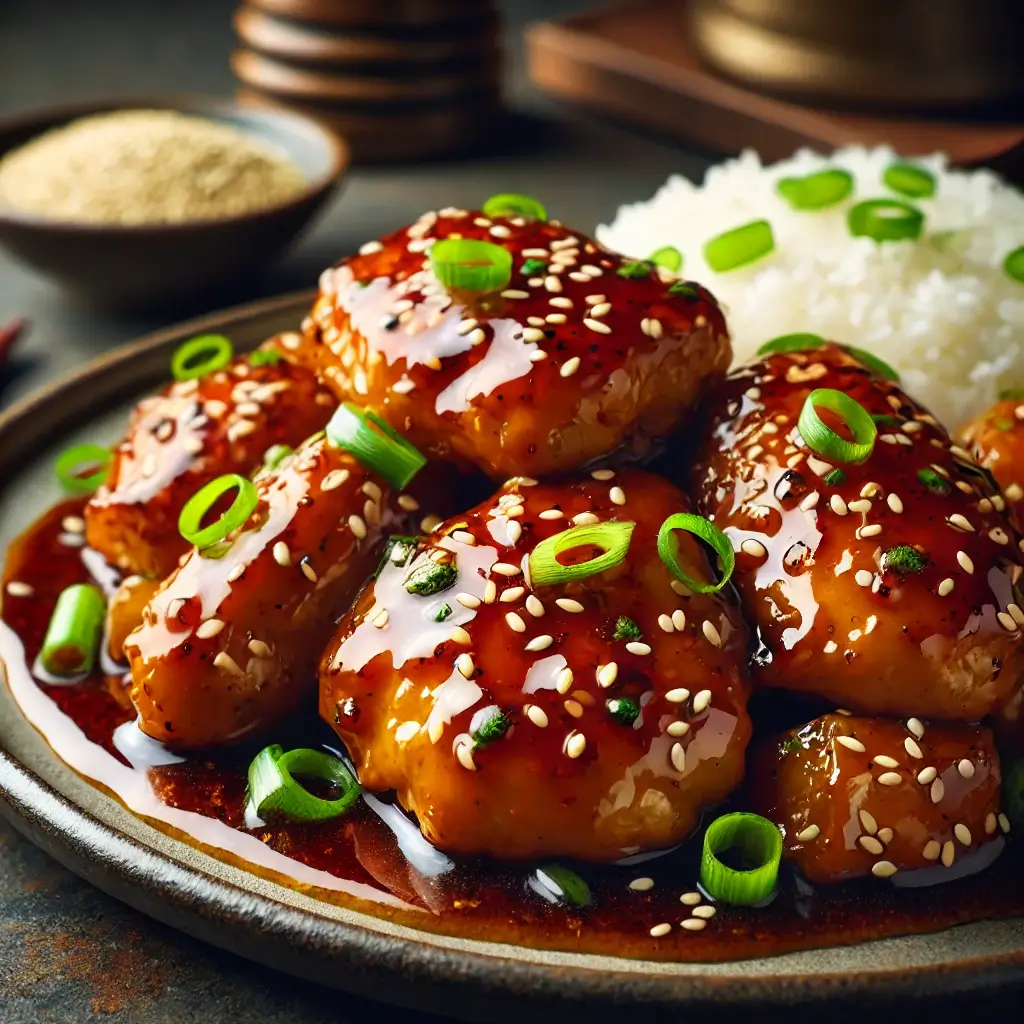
996, 439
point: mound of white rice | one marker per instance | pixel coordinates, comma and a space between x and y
940, 309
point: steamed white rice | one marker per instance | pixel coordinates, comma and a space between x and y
941, 309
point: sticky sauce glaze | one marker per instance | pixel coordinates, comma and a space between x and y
373, 860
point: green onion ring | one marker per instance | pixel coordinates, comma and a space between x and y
273, 788
512, 204
799, 342
566, 884
1013, 265
73, 635
668, 549
824, 441
200, 356
190, 522
669, 257
471, 265
740, 246
884, 220
909, 180
816, 191
613, 538
72, 461
878, 366
759, 841
382, 450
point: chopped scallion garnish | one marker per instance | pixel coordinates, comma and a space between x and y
884, 220
933, 482
443, 612
904, 560
668, 549
799, 342
82, 468
623, 710
909, 180
533, 266
823, 440
684, 290
635, 270
428, 577
749, 841
626, 629
872, 362
669, 257
885, 420
200, 356
377, 445
471, 265
1013, 265
73, 635
512, 204
274, 790
265, 357
612, 538
275, 455
565, 884
493, 727
834, 478
190, 522
740, 246
816, 191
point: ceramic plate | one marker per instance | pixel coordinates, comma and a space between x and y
97, 837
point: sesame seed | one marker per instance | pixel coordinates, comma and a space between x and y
660, 929
912, 748
477, 337
966, 768
701, 701
463, 537
1006, 621
883, 869
464, 752
867, 820
506, 569
575, 744
459, 635
1017, 613
357, 526
926, 776
754, 548
990, 823
607, 674
679, 620
555, 318
18, 589
1014, 492
209, 628
515, 622
428, 524
694, 924
863, 577
889, 779
514, 530
860, 505
809, 502
691, 899
259, 648
570, 366
536, 715
948, 853
466, 326
514, 293
965, 561
225, 661
585, 519
594, 300
937, 792
617, 496
512, 595
307, 569
468, 600
601, 309
597, 326
678, 757
711, 633
603, 474
380, 620
963, 833
809, 833
837, 505
1004, 823
705, 912
871, 844
532, 334
563, 684
237, 573
540, 643
490, 592
931, 850
677, 729
999, 535
642, 884
561, 302
552, 513
885, 761
894, 503
665, 622
678, 695
851, 743
568, 604
655, 328
959, 522
534, 606
872, 530
638, 648
915, 726
281, 553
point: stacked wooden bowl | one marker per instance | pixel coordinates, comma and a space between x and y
399, 79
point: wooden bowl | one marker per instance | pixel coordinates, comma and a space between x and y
138, 265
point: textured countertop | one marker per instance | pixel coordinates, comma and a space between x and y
68, 952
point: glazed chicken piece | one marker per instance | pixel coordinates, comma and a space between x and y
996, 439
580, 355
591, 718
230, 643
181, 439
124, 611
859, 796
891, 586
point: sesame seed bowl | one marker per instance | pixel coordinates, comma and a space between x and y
128, 204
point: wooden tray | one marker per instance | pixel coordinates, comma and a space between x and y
636, 63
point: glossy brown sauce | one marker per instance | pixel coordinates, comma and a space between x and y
358, 862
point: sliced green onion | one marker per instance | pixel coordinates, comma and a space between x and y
443, 612
685, 290
190, 522
885, 420
273, 788
669, 257
428, 577
1013, 793
1013, 265
265, 357
382, 450
873, 363
823, 440
884, 220
1011, 395
635, 270
626, 629
201, 355
73, 635
612, 538
511, 204
933, 482
909, 180
275, 455
904, 560
493, 728
740, 246
534, 266
623, 710
752, 842
816, 191
799, 342
471, 265
834, 478
668, 549
566, 884
82, 468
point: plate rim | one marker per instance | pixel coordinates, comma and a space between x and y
404, 970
